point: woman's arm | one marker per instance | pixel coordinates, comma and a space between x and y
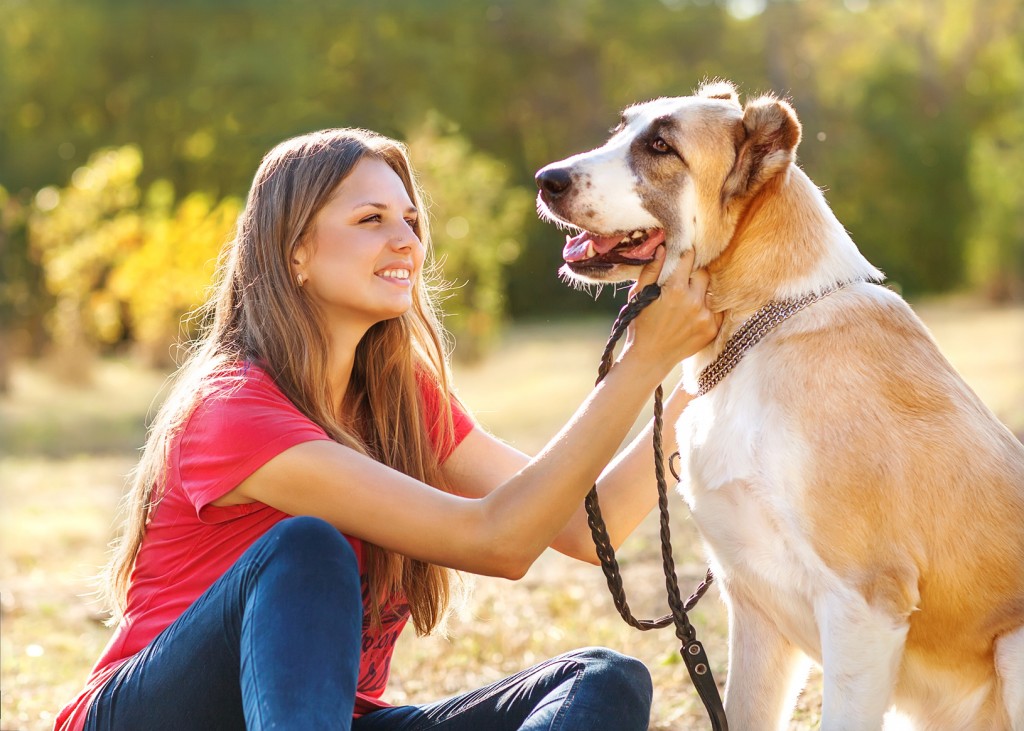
627, 488
504, 532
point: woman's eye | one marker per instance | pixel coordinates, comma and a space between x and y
412, 222
371, 219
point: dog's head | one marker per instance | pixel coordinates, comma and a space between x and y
677, 171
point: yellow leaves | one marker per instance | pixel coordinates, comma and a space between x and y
120, 270
169, 274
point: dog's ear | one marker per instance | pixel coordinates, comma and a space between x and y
766, 146
719, 89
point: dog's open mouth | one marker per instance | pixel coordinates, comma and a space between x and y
588, 250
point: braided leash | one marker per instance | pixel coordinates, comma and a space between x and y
749, 334
692, 650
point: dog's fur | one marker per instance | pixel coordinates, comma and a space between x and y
861, 506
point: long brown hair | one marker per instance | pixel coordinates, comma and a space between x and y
257, 313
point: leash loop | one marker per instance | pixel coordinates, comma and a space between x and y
692, 651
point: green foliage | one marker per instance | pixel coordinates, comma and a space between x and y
903, 105
477, 220
909, 192
997, 238
20, 276
21, 310
996, 167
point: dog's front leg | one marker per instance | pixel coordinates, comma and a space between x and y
861, 648
766, 671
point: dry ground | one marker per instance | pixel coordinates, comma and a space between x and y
64, 452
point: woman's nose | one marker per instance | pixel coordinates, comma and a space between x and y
405, 236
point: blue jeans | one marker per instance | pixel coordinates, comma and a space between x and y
592, 689
275, 643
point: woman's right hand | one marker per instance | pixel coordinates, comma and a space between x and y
677, 324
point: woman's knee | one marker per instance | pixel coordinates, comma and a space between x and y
618, 674
307, 542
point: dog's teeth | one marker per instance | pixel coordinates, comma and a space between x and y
636, 235
625, 240
591, 251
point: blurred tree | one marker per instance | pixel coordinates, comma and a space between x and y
21, 312
898, 97
80, 234
995, 83
996, 241
903, 189
892, 95
170, 273
476, 225
124, 270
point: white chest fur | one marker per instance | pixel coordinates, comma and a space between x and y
743, 478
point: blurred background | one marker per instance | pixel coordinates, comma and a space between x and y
129, 133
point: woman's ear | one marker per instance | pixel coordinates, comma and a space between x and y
299, 261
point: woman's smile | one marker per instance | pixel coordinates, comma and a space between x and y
402, 276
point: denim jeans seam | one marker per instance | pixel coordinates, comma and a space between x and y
563, 711
252, 574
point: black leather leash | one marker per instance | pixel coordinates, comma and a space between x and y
691, 649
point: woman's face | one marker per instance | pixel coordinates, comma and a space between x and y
362, 257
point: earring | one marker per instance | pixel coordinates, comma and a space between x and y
300, 279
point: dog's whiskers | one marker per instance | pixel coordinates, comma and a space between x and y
567, 277
545, 214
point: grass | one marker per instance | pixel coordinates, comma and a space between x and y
64, 452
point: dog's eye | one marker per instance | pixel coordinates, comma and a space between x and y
660, 146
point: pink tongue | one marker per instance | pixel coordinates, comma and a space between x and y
576, 247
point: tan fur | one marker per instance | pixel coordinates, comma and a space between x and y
904, 487
927, 486
918, 475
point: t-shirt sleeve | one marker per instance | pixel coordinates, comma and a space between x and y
232, 433
462, 424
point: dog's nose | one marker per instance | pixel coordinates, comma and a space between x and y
553, 181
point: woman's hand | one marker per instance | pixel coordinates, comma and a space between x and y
678, 323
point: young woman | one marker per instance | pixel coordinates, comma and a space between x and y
320, 390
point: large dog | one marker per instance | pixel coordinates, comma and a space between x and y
861, 506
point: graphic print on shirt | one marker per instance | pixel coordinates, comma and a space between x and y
379, 643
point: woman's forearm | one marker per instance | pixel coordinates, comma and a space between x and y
532, 507
627, 490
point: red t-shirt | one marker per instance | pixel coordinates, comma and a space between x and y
189, 543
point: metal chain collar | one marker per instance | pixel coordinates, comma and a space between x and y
750, 333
